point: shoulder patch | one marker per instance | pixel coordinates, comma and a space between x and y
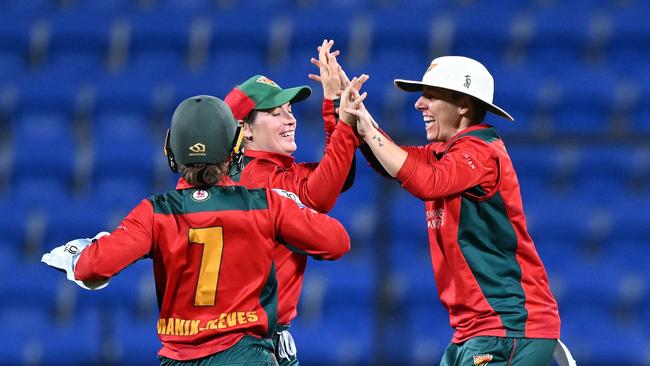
290, 195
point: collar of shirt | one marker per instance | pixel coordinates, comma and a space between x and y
183, 184
284, 161
443, 146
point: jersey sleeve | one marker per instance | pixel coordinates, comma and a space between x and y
468, 162
319, 185
110, 254
329, 118
304, 230
425, 152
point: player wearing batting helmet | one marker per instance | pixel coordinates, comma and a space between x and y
212, 246
269, 141
487, 270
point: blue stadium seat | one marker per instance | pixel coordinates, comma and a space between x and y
123, 147
347, 341
76, 219
517, 90
110, 8
608, 170
347, 282
581, 87
412, 273
132, 290
629, 35
309, 27
579, 320
83, 331
630, 217
119, 194
560, 36
484, 31
640, 112
45, 141
80, 31
136, 338
428, 333
29, 283
15, 28
41, 192
418, 24
549, 219
357, 208
125, 93
228, 35
44, 93
408, 220
537, 165
187, 6
156, 47
13, 226
231, 67
32, 8
12, 66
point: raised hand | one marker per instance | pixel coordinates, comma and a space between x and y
329, 70
351, 99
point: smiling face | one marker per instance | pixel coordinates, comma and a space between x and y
272, 131
444, 114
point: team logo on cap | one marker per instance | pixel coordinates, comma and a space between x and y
468, 81
200, 195
431, 66
482, 360
197, 149
267, 81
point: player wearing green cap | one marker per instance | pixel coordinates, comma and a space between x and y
268, 129
212, 246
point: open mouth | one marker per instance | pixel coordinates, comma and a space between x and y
288, 134
428, 121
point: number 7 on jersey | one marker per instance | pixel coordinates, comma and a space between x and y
212, 240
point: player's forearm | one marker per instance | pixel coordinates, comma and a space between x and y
389, 154
326, 238
326, 182
110, 254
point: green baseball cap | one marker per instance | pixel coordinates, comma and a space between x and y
260, 92
203, 130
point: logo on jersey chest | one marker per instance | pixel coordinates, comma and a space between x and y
435, 218
200, 195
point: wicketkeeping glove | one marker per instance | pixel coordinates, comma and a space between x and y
286, 345
64, 258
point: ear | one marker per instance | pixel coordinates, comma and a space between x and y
464, 105
247, 130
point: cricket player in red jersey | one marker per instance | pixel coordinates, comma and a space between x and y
212, 246
488, 273
269, 127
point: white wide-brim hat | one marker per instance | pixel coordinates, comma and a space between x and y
461, 74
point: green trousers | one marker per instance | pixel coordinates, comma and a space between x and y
249, 351
500, 351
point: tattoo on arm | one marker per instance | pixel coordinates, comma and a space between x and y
375, 137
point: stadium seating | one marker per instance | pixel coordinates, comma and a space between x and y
87, 89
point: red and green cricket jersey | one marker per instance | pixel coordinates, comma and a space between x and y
212, 251
487, 270
316, 184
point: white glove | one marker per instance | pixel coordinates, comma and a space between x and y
65, 258
286, 345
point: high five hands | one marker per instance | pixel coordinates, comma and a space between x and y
330, 71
